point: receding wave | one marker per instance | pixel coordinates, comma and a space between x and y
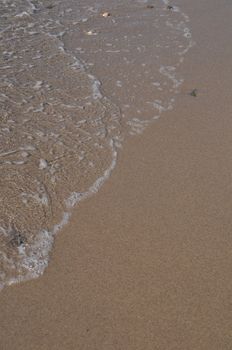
74, 84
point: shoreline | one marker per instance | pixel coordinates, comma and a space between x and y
145, 263
75, 164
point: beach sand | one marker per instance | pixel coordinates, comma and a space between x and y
146, 263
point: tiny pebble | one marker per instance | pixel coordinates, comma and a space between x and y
193, 93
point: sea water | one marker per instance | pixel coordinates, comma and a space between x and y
74, 84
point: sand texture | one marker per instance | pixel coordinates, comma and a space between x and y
146, 263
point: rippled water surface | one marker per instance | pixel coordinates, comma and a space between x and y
74, 84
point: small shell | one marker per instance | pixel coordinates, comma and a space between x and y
91, 32
105, 14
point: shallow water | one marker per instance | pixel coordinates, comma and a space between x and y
74, 85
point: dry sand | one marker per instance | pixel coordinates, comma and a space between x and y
146, 263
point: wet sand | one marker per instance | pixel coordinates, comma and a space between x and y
146, 263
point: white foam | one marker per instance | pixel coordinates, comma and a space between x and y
76, 197
38, 85
95, 87
43, 164
22, 14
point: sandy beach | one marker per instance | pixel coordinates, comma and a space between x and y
146, 262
